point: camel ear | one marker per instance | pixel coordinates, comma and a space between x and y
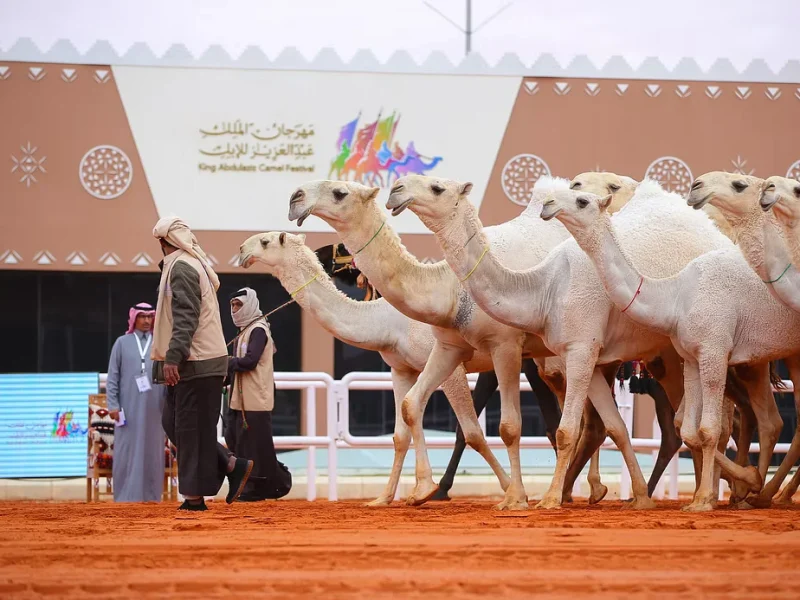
282, 238
465, 189
604, 202
371, 194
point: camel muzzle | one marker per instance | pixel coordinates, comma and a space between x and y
549, 211
698, 204
301, 219
768, 202
398, 208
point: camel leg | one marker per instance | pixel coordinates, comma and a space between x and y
548, 403
764, 499
670, 440
712, 368
580, 364
592, 436
401, 382
485, 387
507, 364
785, 497
768, 418
603, 401
441, 364
737, 390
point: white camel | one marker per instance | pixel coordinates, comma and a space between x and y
715, 311
431, 294
562, 298
782, 256
741, 200
403, 344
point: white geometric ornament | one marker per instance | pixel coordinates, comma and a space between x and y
672, 173
77, 259
592, 89
773, 93
683, 91
28, 165
44, 258
142, 260
212, 259
531, 87
69, 75
562, 88
105, 172
36, 73
743, 92
234, 261
713, 91
10, 257
109, 259
794, 171
797, 93
653, 90
740, 166
519, 176
102, 75
622, 88
5, 72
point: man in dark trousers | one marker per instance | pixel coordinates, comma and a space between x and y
189, 355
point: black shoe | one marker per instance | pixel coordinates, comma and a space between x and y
238, 478
197, 506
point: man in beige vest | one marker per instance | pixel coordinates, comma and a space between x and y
190, 355
248, 427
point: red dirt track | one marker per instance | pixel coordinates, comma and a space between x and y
461, 549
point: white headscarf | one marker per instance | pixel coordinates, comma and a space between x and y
250, 310
178, 234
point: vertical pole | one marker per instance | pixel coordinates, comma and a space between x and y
311, 431
468, 31
658, 492
333, 435
673, 478
625, 404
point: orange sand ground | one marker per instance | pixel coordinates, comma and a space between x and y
461, 549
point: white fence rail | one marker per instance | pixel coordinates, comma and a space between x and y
338, 435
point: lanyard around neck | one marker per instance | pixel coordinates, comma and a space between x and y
143, 351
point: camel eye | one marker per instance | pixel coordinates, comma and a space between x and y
613, 187
437, 189
739, 186
575, 185
339, 195
264, 243
797, 191
582, 202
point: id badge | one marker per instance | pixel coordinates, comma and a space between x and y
143, 383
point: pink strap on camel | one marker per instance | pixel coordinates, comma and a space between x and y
639, 289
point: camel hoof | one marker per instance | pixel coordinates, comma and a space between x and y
698, 507
754, 501
418, 498
598, 494
548, 503
753, 479
640, 503
379, 502
743, 505
783, 499
512, 505
441, 495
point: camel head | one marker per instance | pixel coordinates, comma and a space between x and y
577, 210
430, 198
733, 194
782, 195
335, 202
275, 249
621, 188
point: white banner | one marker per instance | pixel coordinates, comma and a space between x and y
225, 149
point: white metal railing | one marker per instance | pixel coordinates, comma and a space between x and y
338, 435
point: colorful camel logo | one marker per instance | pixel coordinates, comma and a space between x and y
64, 427
364, 154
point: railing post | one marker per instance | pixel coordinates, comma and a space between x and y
658, 493
332, 418
310, 411
625, 404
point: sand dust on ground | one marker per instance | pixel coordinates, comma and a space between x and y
461, 549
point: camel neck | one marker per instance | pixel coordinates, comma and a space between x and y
363, 324
648, 302
422, 292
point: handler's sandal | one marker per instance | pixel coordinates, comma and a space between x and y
238, 478
194, 506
